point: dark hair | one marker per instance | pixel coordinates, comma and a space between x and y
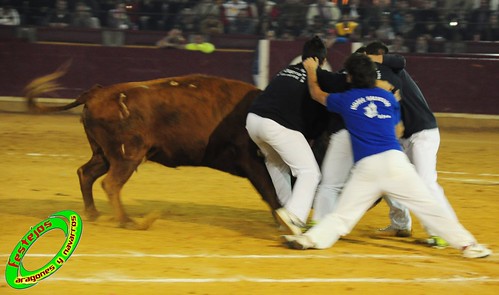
314, 48
362, 70
361, 49
376, 48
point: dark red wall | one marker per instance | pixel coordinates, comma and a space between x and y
21, 62
451, 84
457, 84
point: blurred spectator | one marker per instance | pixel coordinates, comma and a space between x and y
118, 18
9, 16
398, 45
210, 17
83, 18
186, 21
347, 29
353, 8
491, 32
34, 12
428, 12
174, 39
149, 16
408, 28
206, 8
433, 25
318, 27
385, 30
457, 26
421, 45
266, 13
211, 25
199, 42
479, 18
292, 19
493, 4
327, 12
397, 14
232, 9
59, 16
371, 19
170, 11
243, 23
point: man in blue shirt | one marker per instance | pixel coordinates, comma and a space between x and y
370, 115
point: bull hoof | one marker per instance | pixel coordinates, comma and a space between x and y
144, 225
92, 214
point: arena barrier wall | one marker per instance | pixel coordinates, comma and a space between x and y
451, 84
465, 83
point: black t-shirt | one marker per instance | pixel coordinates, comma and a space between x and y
416, 113
287, 100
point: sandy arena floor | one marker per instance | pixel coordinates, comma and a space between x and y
216, 236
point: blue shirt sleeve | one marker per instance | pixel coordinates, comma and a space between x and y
333, 102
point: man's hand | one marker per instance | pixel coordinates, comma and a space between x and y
311, 64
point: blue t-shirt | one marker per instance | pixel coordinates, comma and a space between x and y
370, 115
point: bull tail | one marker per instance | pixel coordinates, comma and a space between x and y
47, 84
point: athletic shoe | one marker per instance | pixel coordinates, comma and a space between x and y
308, 226
389, 231
437, 242
476, 251
299, 242
289, 221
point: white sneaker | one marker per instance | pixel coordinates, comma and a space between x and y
289, 221
300, 242
476, 251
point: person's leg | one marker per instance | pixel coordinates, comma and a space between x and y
295, 151
424, 149
404, 185
336, 166
278, 170
359, 193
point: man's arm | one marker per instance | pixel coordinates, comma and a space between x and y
317, 94
394, 61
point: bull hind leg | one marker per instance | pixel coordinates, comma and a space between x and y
120, 170
88, 174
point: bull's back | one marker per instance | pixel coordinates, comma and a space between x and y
173, 116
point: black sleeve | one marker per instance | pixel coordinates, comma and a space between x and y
394, 61
332, 82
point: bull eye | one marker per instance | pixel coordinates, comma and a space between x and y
192, 86
174, 83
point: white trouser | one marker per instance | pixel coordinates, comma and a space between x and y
421, 149
336, 166
391, 173
286, 151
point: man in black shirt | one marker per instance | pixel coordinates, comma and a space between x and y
281, 121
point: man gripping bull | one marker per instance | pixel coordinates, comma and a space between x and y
280, 121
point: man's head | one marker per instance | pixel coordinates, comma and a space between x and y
314, 48
361, 49
376, 48
361, 70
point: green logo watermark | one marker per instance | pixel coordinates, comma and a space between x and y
20, 278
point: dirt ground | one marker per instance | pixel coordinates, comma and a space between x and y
215, 234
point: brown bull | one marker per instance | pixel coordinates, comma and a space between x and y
193, 120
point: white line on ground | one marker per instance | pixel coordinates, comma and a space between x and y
217, 256
471, 180
113, 279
